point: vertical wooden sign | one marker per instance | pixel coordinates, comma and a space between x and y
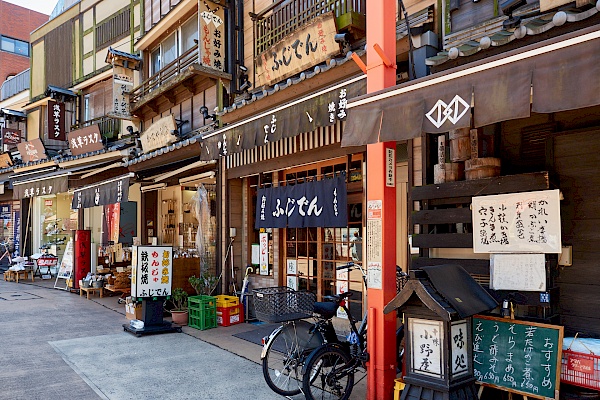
212, 36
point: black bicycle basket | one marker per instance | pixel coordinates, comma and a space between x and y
278, 304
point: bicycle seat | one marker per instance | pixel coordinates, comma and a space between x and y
325, 309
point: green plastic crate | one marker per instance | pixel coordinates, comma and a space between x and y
202, 311
202, 319
204, 302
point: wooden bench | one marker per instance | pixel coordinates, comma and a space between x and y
91, 290
16, 275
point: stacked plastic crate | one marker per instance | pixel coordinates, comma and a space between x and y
202, 312
229, 310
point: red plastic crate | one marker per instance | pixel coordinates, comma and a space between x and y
227, 316
580, 369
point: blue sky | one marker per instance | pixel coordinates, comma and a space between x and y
43, 6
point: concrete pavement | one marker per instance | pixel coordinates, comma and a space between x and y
58, 345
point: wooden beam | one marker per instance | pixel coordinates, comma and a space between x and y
170, 97
487, 186
305, 157
153, 106
189, 86
442, 216
444, 240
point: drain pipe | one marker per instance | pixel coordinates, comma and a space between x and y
231, 60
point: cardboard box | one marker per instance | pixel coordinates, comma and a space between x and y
133, 311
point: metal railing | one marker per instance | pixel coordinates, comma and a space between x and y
169, 71
15, 85
109, 127
284, 17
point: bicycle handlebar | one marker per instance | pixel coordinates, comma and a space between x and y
345, 266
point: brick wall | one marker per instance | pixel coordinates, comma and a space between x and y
19, 25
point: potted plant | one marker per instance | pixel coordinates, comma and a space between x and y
205, 284
179, 314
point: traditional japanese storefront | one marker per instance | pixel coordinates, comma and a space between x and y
286, 161
533, 112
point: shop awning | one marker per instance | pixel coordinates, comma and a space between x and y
499, 88
47, 184
112, 191
322, 108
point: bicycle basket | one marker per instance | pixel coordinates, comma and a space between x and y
278, 304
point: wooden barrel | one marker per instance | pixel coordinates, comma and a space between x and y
460, 147
477, 168
448, 172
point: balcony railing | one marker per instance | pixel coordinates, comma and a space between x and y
283, 18
15, 85
109, 127
170, 71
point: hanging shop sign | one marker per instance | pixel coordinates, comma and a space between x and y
151, 271
85, 140
312, 204
32, 151
307, 46
104, 193
40, 187
212, 36
17, 232
56, 120
11, 136
527, 222
5, 160
122, 85
305, 115
159, 134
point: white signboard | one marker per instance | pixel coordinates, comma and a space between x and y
426, 347
341, 286
292, 282
292, 266
264, 253
525, 272
65, 270
517, 223
460, 365
152, 268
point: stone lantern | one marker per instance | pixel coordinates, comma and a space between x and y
438, 303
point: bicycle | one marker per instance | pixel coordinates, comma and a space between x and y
329, 370
6, 254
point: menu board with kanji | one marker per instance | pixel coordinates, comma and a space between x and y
517, 356
151, 273
527, 222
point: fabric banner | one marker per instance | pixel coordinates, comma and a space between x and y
40, 187
110, 192
313, 204
305, 116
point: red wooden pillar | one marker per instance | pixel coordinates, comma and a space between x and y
381, 210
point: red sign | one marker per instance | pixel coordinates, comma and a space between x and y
48, 202
580, 364
47, 261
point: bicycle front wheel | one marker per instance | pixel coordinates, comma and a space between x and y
284, 359
326, 377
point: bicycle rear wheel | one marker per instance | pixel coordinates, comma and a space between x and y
324, 379
284, 358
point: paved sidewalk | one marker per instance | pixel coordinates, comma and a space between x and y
58, 345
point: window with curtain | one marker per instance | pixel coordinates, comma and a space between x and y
189, 33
